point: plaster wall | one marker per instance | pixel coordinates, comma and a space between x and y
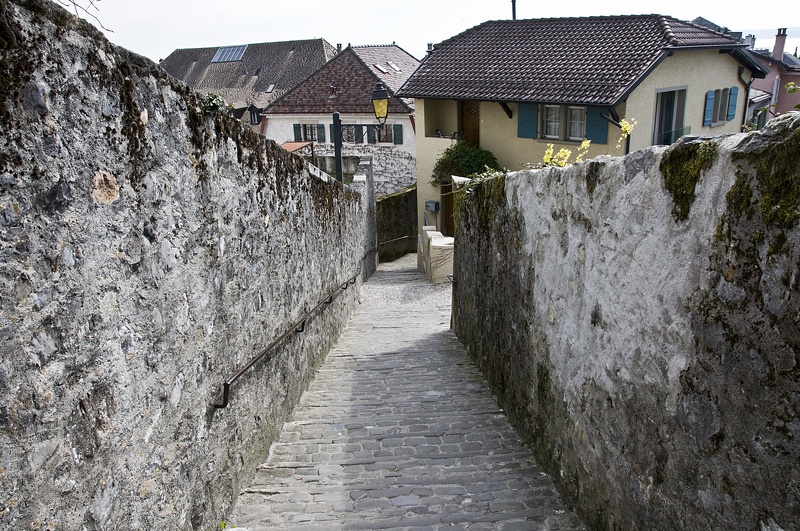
680, 70
148, 251
645, 342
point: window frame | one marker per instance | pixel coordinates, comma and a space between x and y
305, 128
569, 122
388, 132
546, 122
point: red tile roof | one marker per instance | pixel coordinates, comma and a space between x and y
588, 60
346, 82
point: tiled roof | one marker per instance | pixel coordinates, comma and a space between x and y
346, 82
265, 72
588, 60
790, 62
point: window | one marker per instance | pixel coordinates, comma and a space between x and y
577, 123
720, 106
564, 123
669, 127
552, 121
255, 117
309, 132
384, 133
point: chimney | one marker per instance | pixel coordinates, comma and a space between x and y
780, 43
430, 47
339, 48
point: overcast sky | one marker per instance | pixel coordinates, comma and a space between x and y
154, 28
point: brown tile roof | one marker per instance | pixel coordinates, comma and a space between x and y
281, 65
588, 60
346, 82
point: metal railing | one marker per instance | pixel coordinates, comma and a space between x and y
299, 326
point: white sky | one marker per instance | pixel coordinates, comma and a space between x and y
154, 28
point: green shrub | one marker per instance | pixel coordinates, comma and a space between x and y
463, 159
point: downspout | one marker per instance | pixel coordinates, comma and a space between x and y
746, 85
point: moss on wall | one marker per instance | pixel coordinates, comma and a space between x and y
682, 166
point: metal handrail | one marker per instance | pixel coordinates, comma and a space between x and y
301, 325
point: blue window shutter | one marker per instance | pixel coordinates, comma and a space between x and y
596, 125
709, 111
359, 134
298, 133
732, 103
371, 134
320, 133
398, 133
528, 120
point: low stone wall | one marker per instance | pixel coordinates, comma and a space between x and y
396, 216
149, 248
394, 169
638, 320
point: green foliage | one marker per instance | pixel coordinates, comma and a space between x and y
213, 105
464, 159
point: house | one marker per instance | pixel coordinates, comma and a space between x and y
249, 76
783, 68
516, 86
345, 84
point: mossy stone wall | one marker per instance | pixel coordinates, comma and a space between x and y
638, 320
396, 218
148, 250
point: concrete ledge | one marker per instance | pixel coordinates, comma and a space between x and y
436, 254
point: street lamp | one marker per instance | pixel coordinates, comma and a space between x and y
380, 104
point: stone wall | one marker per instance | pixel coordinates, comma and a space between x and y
394, 168
148, 251
396, 216
638, 320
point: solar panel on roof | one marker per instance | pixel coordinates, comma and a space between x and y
228, 54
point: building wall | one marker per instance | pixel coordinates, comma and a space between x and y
643, 340
429, 149
394, 165
699, 72
148, 251
775, 84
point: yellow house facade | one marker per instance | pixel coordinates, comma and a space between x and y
516, 87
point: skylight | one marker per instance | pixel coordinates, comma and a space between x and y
382, 69
228, 54
394, 66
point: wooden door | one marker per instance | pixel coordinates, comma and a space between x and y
471, 122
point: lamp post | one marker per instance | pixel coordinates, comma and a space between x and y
380, 104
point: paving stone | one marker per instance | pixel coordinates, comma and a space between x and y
400, 431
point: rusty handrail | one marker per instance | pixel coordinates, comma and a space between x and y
301, 324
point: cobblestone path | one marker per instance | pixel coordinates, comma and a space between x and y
399, 431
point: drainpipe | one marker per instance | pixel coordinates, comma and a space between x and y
746, 85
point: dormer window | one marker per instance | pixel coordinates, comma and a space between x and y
255, 116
